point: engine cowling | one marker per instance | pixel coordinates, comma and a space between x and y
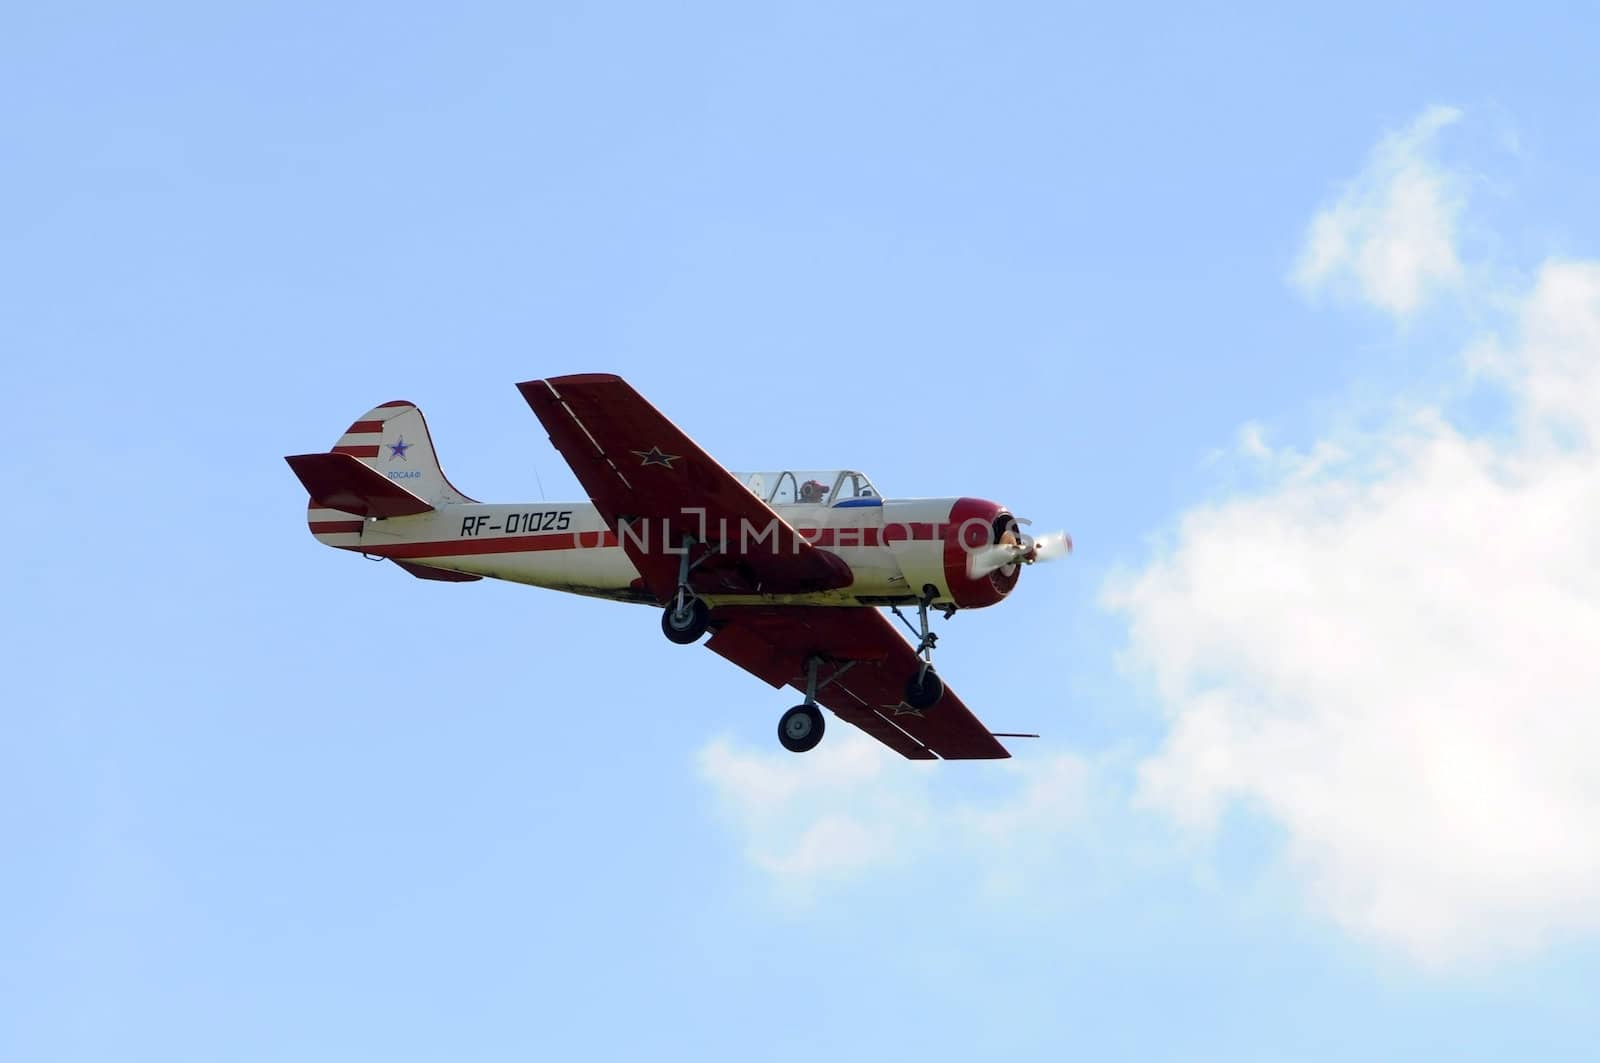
976, 523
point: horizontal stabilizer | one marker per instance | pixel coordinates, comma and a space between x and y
444, 575
339, 481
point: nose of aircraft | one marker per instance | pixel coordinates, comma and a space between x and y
976, 526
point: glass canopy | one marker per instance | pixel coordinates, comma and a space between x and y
832, 487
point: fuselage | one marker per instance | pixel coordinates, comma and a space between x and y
894, 548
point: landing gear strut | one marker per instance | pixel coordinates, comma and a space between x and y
686, 617
924, 688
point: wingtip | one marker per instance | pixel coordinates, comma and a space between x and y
586, 378
556, 383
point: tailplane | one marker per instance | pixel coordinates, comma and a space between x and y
338, 481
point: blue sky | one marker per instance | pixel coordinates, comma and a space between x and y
1293, 321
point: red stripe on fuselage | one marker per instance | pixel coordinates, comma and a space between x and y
838, 538
329, 527
506, 544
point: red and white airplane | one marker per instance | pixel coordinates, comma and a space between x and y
785, 569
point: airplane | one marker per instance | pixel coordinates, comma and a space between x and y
786, 570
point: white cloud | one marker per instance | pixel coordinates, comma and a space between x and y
1555, 369
1393, 651
1390, 238
814, 819
850, 808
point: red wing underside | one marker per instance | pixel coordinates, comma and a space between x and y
774, 643
640, 468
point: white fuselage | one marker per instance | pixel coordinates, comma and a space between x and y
893, 549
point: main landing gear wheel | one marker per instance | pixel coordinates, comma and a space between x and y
800, 729
685, 625
923, 689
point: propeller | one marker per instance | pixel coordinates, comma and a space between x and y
1012, 549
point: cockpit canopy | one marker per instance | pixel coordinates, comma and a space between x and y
831, 487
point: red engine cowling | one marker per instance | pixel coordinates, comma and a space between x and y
974, 524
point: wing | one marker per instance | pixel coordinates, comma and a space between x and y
862, 679
654, 486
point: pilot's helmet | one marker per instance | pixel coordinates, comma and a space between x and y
812, 491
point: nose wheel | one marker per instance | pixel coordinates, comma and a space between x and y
800, 729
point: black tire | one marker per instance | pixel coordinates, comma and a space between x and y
926, 694
800, 729
686, 628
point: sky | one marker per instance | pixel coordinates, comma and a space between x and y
1293, 320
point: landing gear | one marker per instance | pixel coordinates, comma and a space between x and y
800, 729
924, 688
685, 623
686, 617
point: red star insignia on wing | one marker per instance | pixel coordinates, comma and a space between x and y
655, 456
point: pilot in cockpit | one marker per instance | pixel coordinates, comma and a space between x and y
812, 491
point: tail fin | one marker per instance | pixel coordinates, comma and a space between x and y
392, 441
